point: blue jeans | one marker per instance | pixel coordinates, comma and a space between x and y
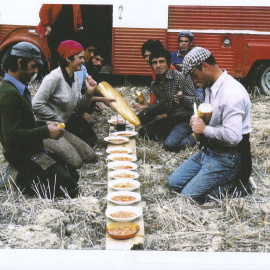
179, 138
207, 173
200, 93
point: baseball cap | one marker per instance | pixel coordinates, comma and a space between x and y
27, 49
186, 33
193, 59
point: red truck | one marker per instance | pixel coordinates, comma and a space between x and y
238, 36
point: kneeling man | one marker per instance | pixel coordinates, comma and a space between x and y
168, 118
224, 162
22, 137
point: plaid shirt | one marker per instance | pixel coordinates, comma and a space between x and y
174, 81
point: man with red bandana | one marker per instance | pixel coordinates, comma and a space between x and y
59, 99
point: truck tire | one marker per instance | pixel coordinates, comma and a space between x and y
261, 78
264, 79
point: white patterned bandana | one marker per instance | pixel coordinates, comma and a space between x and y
193, 59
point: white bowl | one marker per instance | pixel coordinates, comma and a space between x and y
135, 210
121, 157
118, 150
126, 133
116, 139
122, 184
122, 165
135, 195
123, 174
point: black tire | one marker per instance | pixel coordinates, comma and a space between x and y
261, 78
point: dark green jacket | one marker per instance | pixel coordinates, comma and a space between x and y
20, 135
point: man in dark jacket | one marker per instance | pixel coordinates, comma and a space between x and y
22, 137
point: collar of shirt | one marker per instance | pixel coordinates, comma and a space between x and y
66, 77
218, 83
179, 54
168, 75
19, 85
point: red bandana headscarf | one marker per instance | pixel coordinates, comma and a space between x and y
68, 48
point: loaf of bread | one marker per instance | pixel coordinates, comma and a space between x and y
119, 105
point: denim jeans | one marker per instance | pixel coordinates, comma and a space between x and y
200, 93
179, 138
207, 173
176, 136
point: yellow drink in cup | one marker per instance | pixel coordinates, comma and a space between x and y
204, 112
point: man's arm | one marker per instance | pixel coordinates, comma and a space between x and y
189, 95
232, 113
13, 134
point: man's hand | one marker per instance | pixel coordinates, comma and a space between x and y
197, 124
164, 115
98, 107
90, 85
88, 118
108, 101
48, 30
55, 132
177, 98
178, 65
139, 106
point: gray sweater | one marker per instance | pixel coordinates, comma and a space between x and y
55, 100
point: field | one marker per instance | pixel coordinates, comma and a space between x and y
171, 221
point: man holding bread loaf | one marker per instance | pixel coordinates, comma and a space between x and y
168, 118
223, 165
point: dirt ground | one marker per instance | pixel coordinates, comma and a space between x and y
171, 221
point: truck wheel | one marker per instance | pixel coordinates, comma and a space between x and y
261, 78
264, 79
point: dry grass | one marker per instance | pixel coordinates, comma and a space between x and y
171, 221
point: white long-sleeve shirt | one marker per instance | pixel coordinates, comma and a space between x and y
231, 111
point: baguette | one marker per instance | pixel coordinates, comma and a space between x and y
119, 105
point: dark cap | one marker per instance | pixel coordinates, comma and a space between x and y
186, 33
26, 49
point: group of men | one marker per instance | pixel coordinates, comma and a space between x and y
222, 165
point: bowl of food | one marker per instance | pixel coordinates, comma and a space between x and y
127, 133
118, 150
124, 184
116, 139
123, 213
121, 157
122, 230
124, 197
122, 165
123, 174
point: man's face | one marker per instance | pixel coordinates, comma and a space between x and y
97, 62
159, 65
29, 72
146, 56
76, 64
184, 44
201, 78
89, 53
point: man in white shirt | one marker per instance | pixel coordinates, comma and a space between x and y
224, 162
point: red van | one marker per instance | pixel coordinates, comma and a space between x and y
238, 36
